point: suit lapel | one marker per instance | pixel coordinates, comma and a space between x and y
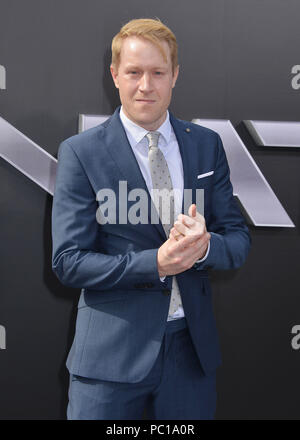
120, 150
189, 153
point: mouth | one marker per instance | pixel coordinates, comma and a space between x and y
146, 101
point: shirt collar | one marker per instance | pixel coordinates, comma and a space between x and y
137, 133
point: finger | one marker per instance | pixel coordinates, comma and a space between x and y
196, 215
182, 229
172, 237
192, 210
197, 224
188, 221
186, 241
175, 235
186, 225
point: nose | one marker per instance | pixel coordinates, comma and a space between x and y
145, 84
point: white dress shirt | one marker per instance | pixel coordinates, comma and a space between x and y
168, 145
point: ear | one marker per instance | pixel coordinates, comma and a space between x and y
175, 76
114, 74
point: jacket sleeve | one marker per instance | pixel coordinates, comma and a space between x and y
75, 259
230, 240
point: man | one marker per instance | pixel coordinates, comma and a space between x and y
145, 333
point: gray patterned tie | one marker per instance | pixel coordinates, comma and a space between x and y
161, 180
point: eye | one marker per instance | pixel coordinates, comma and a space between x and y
133, 72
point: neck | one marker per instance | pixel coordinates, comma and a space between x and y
149, 126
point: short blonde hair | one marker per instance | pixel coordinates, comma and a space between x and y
150, 29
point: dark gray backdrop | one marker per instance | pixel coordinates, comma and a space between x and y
236, 59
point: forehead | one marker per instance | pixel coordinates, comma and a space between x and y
140, 50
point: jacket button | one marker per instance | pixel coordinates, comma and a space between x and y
166, 291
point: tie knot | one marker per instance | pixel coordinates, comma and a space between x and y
152, 137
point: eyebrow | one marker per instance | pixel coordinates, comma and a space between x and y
133, 66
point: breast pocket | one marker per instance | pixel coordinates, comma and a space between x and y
205, 175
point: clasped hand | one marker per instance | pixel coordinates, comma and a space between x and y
187, 243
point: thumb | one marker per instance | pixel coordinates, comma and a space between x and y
192, 210
195, 214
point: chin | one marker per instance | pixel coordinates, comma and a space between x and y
148, 124
147, 118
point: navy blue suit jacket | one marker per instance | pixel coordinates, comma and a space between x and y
123, 307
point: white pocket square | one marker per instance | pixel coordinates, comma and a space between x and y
205, 174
